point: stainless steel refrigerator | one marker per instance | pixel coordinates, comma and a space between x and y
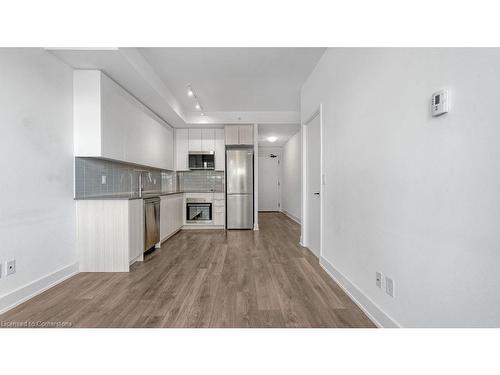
239, 188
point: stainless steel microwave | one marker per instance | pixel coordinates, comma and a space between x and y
201, 160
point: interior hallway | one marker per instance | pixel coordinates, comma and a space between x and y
208, 278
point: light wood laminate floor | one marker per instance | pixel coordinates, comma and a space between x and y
210, 278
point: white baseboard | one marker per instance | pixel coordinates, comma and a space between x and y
374, 313
291, 216
170, 235
20, 295
138, 258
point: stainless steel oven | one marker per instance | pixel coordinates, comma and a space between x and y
198, 211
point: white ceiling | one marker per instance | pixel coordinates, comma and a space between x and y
234, 85
235, 79
283, 131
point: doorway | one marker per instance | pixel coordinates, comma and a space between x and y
269, 181
312, 183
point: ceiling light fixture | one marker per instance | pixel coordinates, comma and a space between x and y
192, 94
272, 139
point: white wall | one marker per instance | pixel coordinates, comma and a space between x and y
37, 215
292, 169
412, 196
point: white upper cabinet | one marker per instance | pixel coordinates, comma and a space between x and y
239, 135
207, 139
195, 140
181, 149
231, 135
220, 150
110, 123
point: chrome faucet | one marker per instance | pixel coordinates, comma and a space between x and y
141, 185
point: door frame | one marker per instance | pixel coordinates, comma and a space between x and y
304, 241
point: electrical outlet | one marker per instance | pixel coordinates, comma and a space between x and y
11, 267
378, 279
389, 286
103, 179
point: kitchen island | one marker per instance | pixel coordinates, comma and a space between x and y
110, 229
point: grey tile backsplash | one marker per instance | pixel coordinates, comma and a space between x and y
120, 178
123, 179
201, 181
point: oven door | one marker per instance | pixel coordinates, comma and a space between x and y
198, 212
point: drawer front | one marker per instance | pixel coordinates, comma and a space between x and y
219, 218
219, 209
218, 202
208, 197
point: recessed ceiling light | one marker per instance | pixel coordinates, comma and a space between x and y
272, 139
190, 92
203, 113
197, 106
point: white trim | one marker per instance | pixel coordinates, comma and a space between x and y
24, 293
138, 258
379, 317
291, 216
250, 117
255, 177
303, 228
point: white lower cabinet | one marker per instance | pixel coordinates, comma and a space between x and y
170, 215
219, 209
219, 217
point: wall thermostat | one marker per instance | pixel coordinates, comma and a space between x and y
439, 103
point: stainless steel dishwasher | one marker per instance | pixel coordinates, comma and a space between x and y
151, 222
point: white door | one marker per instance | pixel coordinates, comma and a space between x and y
313, 185
269, 189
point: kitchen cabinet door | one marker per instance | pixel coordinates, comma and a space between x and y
220, 150
171, 216
136, 229
194, 139
208, 140
219, 215
168, 149
181, 149
231, 134
164, 218
110, 123
245, 133
178, 211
